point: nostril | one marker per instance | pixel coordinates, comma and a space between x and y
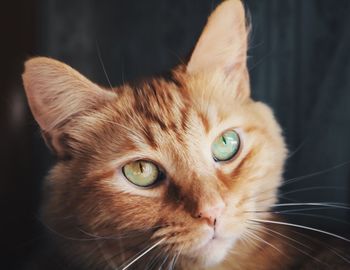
210, 218
211, 213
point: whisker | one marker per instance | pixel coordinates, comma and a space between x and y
261, 192
332, 249
306, 209
302, 227
314, 188
329, 206
143, 254
65, 236
120, 236
121, 253
177, 256
164, 261
155, 260
316, 216
269, 198
103, 66
284, 236
248, 240
256, 237
286, 198
295, 179
340, 256
173, 262
178, 57
293, 246
74, 260
289, 211
260, 61
109, 261
324, 204
296, 150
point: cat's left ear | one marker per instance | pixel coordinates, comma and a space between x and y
223, 43
57, 94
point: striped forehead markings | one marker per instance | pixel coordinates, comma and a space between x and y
156, 103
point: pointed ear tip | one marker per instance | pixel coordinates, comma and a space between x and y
40, 65
39, 61
236, 6
32, 64
234, 3
32, 68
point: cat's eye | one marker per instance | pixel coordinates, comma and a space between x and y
142, 173
225, 146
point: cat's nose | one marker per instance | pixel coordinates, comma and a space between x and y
211, 212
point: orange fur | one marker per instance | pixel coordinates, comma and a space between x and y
173, 123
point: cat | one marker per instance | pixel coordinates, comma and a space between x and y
172, 173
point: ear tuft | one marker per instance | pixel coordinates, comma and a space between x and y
56, 92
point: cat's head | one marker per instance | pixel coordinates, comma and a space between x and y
180, 162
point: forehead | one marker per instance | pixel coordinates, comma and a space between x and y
162, 105
158, 115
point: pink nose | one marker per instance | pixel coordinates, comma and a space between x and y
211, 212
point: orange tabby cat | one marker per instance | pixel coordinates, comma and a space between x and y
174, 173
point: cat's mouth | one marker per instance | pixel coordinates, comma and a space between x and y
213, 250
213, 240
210, 239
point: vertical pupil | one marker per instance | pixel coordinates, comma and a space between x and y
223, 139
141, 167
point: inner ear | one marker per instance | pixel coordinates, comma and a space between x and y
58, 143
57, 94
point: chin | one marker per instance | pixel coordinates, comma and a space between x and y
212, 253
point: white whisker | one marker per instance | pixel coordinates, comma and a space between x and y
295, 179
178, 255
324, 204
284, 236
297, 149
340, 256
247, 240
143, 254
291, 245
103, 66
316, 216
256, 237
314, 188
164, 261
301, 227
332, 249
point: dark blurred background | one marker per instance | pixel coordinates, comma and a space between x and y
299, 63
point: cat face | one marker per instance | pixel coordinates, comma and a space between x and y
151, 164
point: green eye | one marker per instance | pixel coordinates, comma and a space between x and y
225, 146
141, 173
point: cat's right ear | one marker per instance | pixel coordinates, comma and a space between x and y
223, 44
57, 92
